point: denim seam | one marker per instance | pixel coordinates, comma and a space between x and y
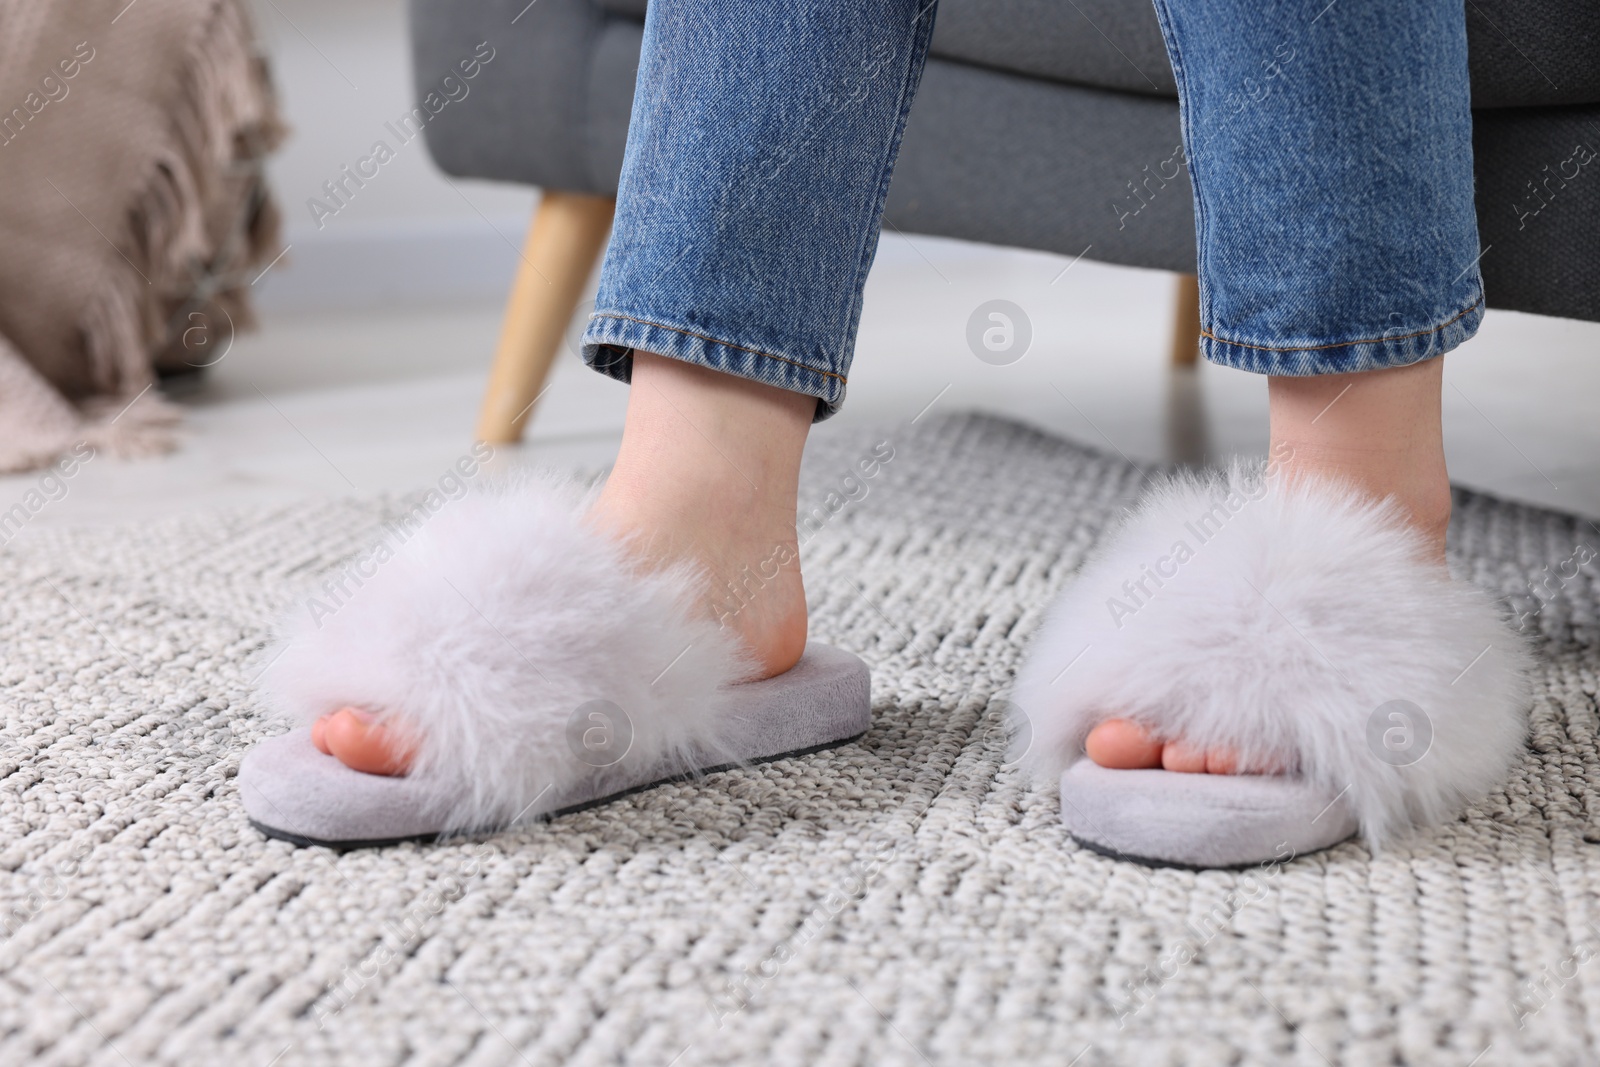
1345, 344
917, 57
717, 341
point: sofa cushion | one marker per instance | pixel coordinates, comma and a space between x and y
1522, 52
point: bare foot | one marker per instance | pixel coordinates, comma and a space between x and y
708, 473
1378, 430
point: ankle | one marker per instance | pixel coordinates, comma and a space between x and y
1377, 430
1420, 485
724, 426
711, 444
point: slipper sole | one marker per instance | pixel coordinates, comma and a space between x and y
296, 793
1200, 821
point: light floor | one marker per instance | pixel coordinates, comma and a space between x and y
379, 397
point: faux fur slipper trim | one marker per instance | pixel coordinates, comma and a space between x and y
490, 629
1297, 623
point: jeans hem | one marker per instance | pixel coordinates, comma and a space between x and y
1344, 357
609, 331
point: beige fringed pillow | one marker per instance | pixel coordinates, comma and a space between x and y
133, 211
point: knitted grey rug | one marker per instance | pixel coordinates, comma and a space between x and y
903, 900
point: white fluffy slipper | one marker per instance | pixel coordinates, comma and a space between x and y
538, 669
1297, 624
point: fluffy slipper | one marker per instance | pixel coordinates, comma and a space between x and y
536, 670
1296, 624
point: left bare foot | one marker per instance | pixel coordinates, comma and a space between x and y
1378, 430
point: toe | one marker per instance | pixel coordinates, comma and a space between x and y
363, 745
1184, 759
319, 736
1122, 745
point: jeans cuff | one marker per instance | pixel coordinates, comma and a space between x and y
611, 338
1343, 357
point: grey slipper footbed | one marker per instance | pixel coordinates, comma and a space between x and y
1200, 821
294, 792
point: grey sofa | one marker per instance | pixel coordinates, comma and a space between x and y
1036, 121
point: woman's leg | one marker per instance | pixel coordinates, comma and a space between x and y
759, 153
1330, 149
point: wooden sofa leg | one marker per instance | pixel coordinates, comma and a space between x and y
1186, 322
566, 237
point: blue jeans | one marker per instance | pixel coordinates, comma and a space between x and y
1329, 146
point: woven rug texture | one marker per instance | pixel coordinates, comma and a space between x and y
904, 900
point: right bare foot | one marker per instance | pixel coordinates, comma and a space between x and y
708, 474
